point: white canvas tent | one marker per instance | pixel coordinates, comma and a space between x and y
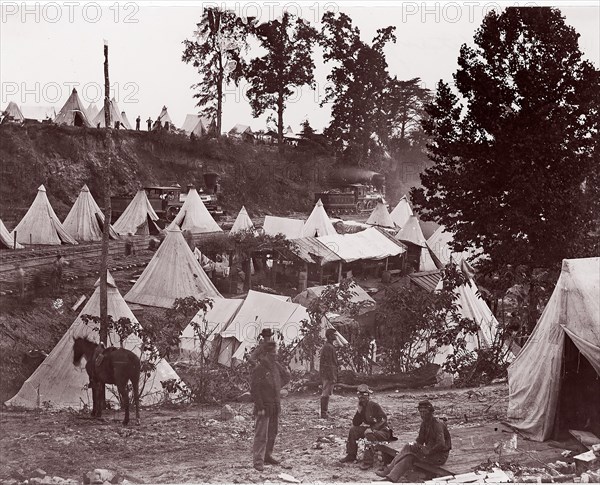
173, 272
73, 113
85, 219
380, 216
367, 244
290, 228
13, 113
164, 118
6, 239
318, 223
198, 125
212, 322
60, 384
538, 376
39, 113
242, 222
360, 296
40, 224
411, 233
126, 123
92, 111
401, 212
194, 216
138, 217
439, 243
115, 115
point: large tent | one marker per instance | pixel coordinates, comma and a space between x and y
439, 243
85, 219
401, 212
92, 111
40, 224
242, 222
13, 113
359, 296
60, 384
73, 113
411, 233
198, 125
211, 323
194, 216
126, 123
173, 272
290, 228
318, 223
367, 244
138, 217
115, 115
39, 113
553, 383
380, 216
163, 119
6, 239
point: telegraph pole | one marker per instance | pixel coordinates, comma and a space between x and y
107, 207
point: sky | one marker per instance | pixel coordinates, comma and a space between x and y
47, 48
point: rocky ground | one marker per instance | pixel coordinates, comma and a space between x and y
193, 443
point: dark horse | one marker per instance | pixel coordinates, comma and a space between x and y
109, 366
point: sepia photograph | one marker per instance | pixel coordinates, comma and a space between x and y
299, 241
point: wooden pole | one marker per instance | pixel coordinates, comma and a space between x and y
107, 208
15, 240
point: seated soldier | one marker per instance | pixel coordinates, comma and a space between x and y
432, 446
376, 429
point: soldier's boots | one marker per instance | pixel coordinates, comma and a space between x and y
325, 407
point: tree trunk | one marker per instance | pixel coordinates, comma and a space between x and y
280, 120
104, 257
219, 98
248, 274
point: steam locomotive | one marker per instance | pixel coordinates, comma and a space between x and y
358, 190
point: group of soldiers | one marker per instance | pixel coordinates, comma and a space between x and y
370, 422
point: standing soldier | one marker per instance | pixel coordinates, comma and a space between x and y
328, 368
149, 122
21, 281
138, 120
59, 264
267, 379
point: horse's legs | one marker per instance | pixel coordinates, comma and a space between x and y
94, 398
124, 400
98, 397
135, 381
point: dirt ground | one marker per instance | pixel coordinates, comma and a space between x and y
190, 443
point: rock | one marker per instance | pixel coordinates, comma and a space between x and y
283, 392
18, 474
38, 473
227, 412
239, 417
98, 476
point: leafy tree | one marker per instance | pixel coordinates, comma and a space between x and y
358, 87
307, 130
515, 148
288, 63
216, 52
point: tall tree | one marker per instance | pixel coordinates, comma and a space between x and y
405, 105
515, 148
287, 64
358, 86
216, 52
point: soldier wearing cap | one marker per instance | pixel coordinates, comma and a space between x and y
328, 368
265, 335
375, 427
433, 445
267, 379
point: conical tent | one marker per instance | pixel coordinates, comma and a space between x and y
126, 123
439, 243
380, 216
318, 223
40, 224
92, 111
85, 219
561, 357
194, 216
60, 384
13, 113
411, 233
164, 118
173, 272
73, 113
401, 212
6, 239
242, 222
115, 115
138, 217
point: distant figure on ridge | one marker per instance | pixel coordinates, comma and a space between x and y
138, 120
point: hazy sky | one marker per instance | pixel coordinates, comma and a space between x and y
46, 48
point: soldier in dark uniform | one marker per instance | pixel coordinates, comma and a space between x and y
328, 368
267, 379
433, 445
369, 422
